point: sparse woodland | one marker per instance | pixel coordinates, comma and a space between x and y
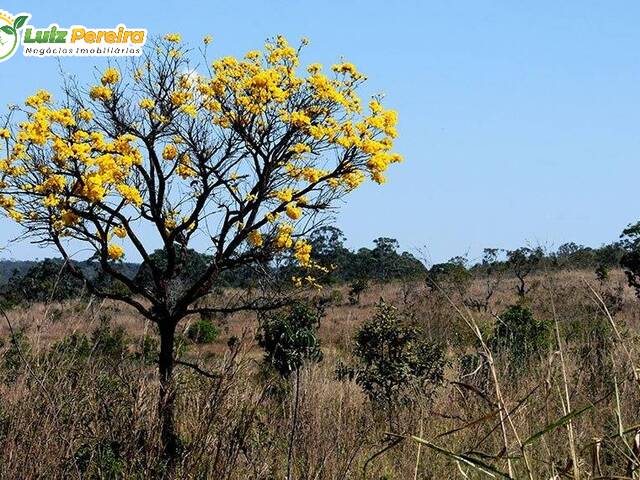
274, 351
78, 387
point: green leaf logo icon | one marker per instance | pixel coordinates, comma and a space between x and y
20, 21
8, 30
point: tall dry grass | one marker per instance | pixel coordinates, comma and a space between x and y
573, 413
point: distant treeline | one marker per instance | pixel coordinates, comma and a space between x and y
45, 280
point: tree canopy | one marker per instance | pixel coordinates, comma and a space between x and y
244, 155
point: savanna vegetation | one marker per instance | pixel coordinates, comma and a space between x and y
275, 351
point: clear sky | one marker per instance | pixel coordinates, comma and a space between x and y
519, 121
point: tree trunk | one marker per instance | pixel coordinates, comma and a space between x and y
167, 395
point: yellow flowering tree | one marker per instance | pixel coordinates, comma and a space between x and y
245, 155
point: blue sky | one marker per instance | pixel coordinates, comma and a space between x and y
519, 121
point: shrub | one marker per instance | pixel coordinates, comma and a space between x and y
356, 288
76, 345
109, 342
290, 338
102, 460
520, 336
451, 276
630, 261
149, 348
393, 361
203, 331
14, 357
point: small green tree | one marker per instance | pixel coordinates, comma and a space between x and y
519, 336
522, 262
630, 261
356, 288
452, 275
203, 331
290, 339
393, 361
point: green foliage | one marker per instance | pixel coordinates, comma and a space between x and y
519, 336
451, 275
47, 280
356, 288
393, 361
203, 331
51, 280
382, 263
108, 341
631, 259
522, 262
290, 338
149, 348
76, 345
100, 461
15, 356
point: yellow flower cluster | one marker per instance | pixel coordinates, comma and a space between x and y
283, 237
173, 37
110, 76
100, 92
130, 194
85, 115
185, 167
293, 212
147, 104
170, 152
302, 252
115, 252
85, 166
40, 98
255, 238
119, 231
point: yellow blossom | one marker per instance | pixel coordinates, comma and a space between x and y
130, 194
119, 231
300, 119
85, 115
283, 236
293, 212
110, 76
115, 252
147, 104
173, 37
302, 252
190, 109
255, 238
100, 92
170, 152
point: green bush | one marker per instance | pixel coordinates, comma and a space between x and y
102, 460
356, 288
289, 338
394, 361
149, 350
14, 357
519, 336
110, 342
76, 345
203, 331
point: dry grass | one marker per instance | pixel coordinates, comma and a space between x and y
95, 417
